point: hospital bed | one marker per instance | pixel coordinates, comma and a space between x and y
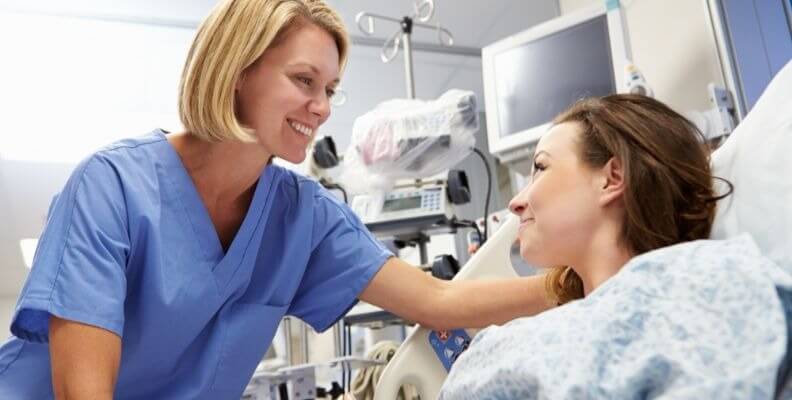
754, 158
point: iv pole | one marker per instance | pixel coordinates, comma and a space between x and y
423, 12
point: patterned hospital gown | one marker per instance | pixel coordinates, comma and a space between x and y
699, 320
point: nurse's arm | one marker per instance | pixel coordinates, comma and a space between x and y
84, 360
437, 304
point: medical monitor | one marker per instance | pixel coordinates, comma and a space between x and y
532, 76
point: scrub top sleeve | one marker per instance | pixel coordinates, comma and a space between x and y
78, 270
345, 258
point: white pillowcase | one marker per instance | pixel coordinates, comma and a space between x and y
757, 160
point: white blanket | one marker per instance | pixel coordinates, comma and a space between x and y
700, 320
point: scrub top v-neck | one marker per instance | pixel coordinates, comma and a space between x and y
129, 247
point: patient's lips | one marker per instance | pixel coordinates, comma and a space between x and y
524, 222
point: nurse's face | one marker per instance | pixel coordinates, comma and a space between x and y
284, 96
558, 209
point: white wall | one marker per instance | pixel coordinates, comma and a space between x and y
69, 86
6, 312
673, 46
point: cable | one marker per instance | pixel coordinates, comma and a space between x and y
466, 223
329, 185
478, 232
489, 192
341, 189
364, 385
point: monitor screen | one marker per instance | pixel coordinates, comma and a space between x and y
400, 204
537, 80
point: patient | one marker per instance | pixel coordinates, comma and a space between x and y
621, 191
614, 177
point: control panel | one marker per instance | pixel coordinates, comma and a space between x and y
402, 204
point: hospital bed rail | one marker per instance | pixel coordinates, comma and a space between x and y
415, 363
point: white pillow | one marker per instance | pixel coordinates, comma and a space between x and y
757, 160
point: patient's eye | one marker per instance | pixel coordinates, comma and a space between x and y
537, 167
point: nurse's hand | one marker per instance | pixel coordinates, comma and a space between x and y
84, 360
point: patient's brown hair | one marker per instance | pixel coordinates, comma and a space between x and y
669, 196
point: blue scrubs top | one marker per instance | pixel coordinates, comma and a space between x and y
129, 247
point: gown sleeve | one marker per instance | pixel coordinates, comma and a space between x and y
345, 258
78, 271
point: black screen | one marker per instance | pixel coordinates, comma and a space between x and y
541, 78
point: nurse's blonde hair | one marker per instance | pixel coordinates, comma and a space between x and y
234, 35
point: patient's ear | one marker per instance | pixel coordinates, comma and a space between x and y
611, 181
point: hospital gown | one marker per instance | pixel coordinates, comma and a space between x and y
700, 320
130, 248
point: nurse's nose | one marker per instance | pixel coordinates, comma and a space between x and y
320, 106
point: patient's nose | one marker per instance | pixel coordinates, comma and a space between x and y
516, 206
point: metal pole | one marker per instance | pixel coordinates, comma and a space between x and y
408, 69
338, 330
421, 47
304, 336
287, 334
406, 25
422, 249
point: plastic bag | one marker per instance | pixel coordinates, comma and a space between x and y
413, 138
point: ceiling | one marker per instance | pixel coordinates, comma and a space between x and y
474, 23
26, 188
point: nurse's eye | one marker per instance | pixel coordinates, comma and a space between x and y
305, 81
330, 93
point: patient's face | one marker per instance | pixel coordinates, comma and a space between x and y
558, 209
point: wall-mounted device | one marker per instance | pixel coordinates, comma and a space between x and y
532, 76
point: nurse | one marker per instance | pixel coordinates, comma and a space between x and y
168, 260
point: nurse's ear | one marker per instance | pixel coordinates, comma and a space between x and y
611, 182
240, 81
243, 75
